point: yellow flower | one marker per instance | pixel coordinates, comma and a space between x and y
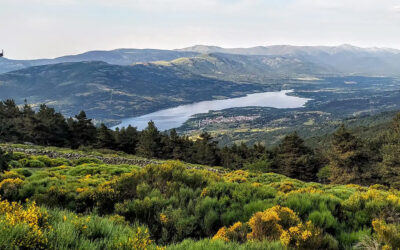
204, 192
221, 235
235, 226
306, 234
285, 238
163, 218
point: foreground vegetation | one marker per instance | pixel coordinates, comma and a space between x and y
292, 196
85, 204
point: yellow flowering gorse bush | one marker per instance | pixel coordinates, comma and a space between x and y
32, 218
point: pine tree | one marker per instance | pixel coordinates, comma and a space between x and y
295, 159
127, 139
348, 160
83, 132
9, 113
50, 127
4, 159
150, 142
205, 150
105, 138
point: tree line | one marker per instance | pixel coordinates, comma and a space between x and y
349, 159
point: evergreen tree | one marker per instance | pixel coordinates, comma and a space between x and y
105, 138
347, 158
83, 132
4, 159
295, 159
27, 123
9, 113
150, 142
50, 127
127, 139
205, 150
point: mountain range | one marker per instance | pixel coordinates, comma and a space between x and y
107, 91
345, 59
111, 85
118, 57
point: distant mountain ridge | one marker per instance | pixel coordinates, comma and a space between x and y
345, 58
246, 68
117, 57
286, 49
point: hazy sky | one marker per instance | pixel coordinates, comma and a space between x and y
50, 28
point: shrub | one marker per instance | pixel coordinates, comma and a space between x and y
271, 223
13, 174
189, 244
9, 188
23, 171
302, 236
35, 164
18, 156
45, 159
60, 162
29, 163
87, 160
260, 166
14, 164
323, 219
24, 227
237, 233
388, 234
324, 174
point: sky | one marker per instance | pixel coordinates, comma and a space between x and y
49, 28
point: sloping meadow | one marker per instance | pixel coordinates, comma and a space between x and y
55, 203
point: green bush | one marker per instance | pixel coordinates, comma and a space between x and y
23, 171
18, 156
14, 164
45, 159
60, 162
34, 164
208, 244
323, 219
260, 166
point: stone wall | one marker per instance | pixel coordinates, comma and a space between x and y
74, 156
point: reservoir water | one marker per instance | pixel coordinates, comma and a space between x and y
175, 117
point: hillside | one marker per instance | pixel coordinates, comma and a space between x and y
118, 57
283, 59
83, 201
108, 91
247, 68
346, 59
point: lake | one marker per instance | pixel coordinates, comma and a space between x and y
175, 117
